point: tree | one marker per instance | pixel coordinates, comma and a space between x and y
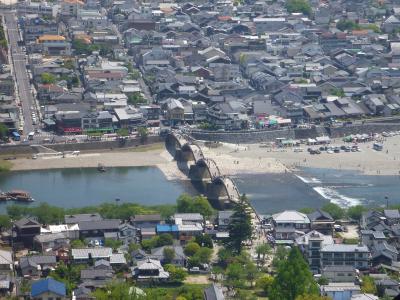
251, 272
198, 204
5, 222
297, 6
368, 285
114, 244
123, 132
204, 255
77, 244
47, 78
116, 290
164, 239
264, 283
176, 274
240, 227
343, 25
355, 212
204, 240
136, 98
68, 274
322, 281
143, 134
169, 254
235, 277
334, 210
3, 131
293, 278
191, 248
263, 250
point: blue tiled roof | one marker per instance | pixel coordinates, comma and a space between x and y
166, 228
48, 285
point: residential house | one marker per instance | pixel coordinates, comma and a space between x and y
224, 218
288, 224
150, 220
179, 259
25, 230
311, 244
357, 256
51, 241
175, 111
6, 262
69, 8
213, 292
48, 289
321, 221
128, 234
383, 253
339, 273
36, 265
75, 219
149, 270
84, 255
53, 45
98, 229
340, 290
101, 121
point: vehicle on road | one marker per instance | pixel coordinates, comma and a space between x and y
16, 136
31, 135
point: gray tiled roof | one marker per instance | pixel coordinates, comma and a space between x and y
100, 224
72, 219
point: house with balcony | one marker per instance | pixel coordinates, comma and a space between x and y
357, 256
52, 44
321, 221
149, 270
288, 225
310, 245
101, 121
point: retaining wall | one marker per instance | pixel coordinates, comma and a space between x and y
88, 146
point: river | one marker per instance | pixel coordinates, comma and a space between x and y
268, 193
83, 187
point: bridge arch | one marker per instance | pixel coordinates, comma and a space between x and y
231, 191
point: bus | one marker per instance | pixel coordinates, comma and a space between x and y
16, 136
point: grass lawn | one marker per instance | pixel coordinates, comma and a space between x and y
5, 165
150, 147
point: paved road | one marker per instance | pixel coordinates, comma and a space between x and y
20, 71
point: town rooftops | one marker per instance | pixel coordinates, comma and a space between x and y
343, 268
213, 292
99, 225
318, 215
76, 2
164, 228
391, 213
290, 216
50, 37
340, 286
147, 218
344, 248
5, 257
48, 285
196, 217
27, 223
96, 253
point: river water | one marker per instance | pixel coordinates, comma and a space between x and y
268, 193
83, 187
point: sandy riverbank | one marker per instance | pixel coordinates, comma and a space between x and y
158, 157
233, 159
368, 161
